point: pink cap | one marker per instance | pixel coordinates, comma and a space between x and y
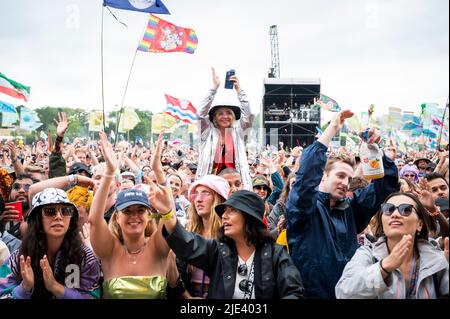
216, 183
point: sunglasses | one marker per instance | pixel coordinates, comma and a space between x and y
409, 175
260, 187
201, 195
65, 211
404, 209
18, 186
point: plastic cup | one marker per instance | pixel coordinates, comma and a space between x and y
17, 206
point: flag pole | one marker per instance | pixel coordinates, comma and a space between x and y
128, 81
442, 126
101, 59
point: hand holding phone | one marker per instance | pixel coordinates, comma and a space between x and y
228, 83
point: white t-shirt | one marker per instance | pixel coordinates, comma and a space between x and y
4, 252
238, 293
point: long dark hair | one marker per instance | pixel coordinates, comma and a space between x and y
34, 244
255, 232
428, 225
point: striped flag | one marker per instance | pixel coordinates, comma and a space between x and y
181, 109
162, 36
13, 88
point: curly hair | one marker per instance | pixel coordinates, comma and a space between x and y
80, 197
34, 245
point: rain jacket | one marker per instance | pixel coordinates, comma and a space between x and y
322, 239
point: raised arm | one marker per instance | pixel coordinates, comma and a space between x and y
17, 164
61, 182
247, 117
205, 105
155, 163
101, 239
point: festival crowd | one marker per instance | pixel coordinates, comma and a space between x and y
88, 219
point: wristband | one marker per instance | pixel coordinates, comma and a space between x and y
381, 266
72, 180
167, 216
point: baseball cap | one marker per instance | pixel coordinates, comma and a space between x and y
130, 197
79, 167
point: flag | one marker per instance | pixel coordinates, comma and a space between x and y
128, 120
328, 103
13, 88
410, 121
29, 120
436, 121
8, 114
181, 109
163, 121
150, 6
96, 121
162, 36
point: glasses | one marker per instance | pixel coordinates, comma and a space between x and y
260, 187
65, 211
18, 186
201, 195
404, 209
409, 175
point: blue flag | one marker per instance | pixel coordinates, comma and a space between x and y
150, 6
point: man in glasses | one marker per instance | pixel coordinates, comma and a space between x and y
322, 223
11, 226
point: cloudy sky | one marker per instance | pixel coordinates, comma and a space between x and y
386, 52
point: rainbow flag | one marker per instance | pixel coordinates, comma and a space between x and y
162, 36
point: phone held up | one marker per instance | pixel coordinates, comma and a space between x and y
229, 84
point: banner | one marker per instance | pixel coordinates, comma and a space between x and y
29, 120
96, 121
162, 36
128, 120
163, 120
8, 114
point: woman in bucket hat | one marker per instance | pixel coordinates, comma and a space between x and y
243, 262
204, 195
52, 261
222, 129
132, 250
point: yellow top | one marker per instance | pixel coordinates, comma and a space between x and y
135, 287
282, 239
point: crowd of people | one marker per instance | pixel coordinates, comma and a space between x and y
88, 219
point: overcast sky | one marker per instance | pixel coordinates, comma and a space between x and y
386, 52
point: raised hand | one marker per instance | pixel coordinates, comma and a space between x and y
85, 234
12, 149
108, 154
235, 80
156, 158
374, 136
215, 78
398, 253
27, 273
160, 198
338, 120
62, 124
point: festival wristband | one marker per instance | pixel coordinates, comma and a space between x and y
167, 216
381, 266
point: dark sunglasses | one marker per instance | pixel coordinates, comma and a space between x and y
245, 285
65, 211
260, 187
404, 209
18, 186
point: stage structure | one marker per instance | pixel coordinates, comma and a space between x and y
289, 111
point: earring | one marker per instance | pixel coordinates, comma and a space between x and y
418, 233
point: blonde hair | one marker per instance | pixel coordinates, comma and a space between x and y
115, 229
232, 115
339, 158
195, 221
80, 197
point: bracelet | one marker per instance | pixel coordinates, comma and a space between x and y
154, 215
167, 216
382, 268
72, 180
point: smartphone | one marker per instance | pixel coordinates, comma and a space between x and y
229, 84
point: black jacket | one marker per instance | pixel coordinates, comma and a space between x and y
275, 274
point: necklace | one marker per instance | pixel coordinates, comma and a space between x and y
133, 254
